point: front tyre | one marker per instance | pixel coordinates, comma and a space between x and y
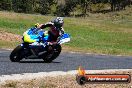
15, 55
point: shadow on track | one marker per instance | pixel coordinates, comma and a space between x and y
36, 62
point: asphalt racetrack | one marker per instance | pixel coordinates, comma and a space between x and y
65, 62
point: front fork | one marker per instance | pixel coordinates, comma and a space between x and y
29, 50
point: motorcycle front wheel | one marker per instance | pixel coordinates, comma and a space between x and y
15, 55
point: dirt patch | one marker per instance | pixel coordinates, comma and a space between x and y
67, 81
9, 36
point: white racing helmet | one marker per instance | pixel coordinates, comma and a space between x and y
58, 22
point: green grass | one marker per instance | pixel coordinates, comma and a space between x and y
99, 41
109, 33
7, 44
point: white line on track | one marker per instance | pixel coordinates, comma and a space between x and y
96, 54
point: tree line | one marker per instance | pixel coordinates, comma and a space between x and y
63, 7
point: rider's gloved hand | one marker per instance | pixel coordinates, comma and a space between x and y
49, 43
36, 25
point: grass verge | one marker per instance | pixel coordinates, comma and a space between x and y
8, 44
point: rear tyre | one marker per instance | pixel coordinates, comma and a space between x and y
50, 56
15, 55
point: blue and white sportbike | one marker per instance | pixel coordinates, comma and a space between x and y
38, 50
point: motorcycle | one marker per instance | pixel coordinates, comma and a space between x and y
39, 50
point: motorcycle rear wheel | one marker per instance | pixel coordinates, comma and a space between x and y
54, 54
15, 55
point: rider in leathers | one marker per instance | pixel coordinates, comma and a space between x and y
55, 30
54, 33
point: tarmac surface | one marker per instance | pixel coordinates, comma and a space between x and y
65, 62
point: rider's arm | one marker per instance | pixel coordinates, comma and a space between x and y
62, 31
42, 26
61, 34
